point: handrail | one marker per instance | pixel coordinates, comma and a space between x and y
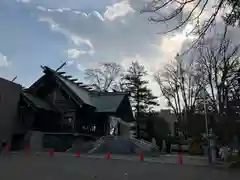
144, 142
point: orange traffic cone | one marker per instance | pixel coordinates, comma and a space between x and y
51, 153
28, 148
78, 154
180, 158
6, 148
108, 156
141, 156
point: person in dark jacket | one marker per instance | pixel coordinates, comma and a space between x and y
168, 143
3, 146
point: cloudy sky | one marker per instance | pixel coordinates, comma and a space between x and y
81, 32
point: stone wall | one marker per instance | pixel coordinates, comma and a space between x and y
36, 141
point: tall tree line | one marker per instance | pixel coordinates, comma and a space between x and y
211, 77
112, 77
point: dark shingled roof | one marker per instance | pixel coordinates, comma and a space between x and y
80, 92
103, 102
38, 103
107, 102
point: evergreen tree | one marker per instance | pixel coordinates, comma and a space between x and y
141, 96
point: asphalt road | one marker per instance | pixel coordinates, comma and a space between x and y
72, 168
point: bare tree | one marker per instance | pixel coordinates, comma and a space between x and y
179, 83
219, 62
169, 86
193, 12
120, 85
104, 77
215, 70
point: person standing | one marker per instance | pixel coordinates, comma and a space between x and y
212, 144
168, 143
3, 146
154, 144
163, 145
181, 141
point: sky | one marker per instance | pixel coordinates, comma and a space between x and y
82, 33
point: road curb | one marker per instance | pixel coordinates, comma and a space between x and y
115, 157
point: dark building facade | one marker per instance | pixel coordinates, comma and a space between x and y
9, 99
57, 103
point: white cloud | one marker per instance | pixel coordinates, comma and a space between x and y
3, 60
74, 4
113, 39
70, 62
24, 1
41, 8
114, 30
76, 39
79, 40
171, 45
118, 10
79, 67
73, 53
76, 53
120, 34
151, 67
83, 14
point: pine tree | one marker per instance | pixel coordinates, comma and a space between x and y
141, 96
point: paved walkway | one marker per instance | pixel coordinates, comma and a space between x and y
66, 166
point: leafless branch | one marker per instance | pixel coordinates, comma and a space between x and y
219, 61
193, 11
104, 77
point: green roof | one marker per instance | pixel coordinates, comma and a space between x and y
103, 101
82, 93
40, 104
107, 102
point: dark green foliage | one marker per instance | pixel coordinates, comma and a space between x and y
160, 129
141, 96
156, 127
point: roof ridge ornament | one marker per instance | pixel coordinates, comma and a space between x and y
60, 67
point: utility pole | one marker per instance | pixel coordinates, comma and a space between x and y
205, 111
206, 122
179, 74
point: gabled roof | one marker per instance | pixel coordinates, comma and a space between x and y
102, 101
107, 102
38, 103
80, 92
9, 82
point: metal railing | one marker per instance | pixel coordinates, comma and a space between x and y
141, 143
